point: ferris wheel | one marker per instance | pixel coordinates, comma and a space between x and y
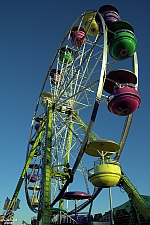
84, 74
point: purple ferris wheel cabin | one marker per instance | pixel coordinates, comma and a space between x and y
109, 13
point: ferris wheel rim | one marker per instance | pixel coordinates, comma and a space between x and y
94, 112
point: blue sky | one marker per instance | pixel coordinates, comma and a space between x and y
31, 32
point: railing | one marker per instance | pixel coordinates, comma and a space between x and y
63, 218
